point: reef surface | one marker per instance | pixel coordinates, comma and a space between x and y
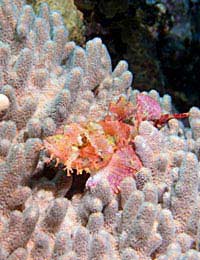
46, 82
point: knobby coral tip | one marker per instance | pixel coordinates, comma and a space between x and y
4, 102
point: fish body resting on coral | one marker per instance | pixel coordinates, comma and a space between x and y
106, 148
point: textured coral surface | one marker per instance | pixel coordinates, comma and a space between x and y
46, 82
72, 17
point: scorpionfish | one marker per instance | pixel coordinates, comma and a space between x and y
105, 148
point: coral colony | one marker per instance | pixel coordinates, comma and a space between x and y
64, 113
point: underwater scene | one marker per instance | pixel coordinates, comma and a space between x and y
99, 130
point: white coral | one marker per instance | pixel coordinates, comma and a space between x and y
4, 102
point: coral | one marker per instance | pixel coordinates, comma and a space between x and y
72, 17
4, 101
158, 38
33, 64
45, 214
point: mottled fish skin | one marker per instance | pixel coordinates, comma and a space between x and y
105, 148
